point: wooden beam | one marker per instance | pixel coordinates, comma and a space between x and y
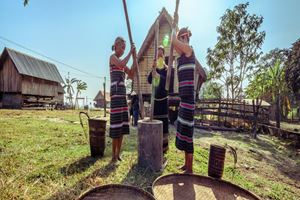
153, 70
135, 62
171, 57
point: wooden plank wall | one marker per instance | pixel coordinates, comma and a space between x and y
38, 87
10, 79
12, 100
146, 60
59, 98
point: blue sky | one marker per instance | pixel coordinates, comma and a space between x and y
80, 33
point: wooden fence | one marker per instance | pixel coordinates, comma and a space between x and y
230, 113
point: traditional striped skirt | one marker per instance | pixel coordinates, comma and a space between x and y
185, 120
119, 120
185, 124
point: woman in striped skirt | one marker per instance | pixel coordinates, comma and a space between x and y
161, 95
119, 121
185, 120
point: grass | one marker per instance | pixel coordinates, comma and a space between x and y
45, 155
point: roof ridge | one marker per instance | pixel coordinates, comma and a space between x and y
27, 55
162, 13
31, 66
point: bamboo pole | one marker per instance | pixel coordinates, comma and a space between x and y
171, 57
153, 71
135, 62
104, 95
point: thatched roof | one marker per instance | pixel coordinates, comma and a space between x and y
163, 16
100, 96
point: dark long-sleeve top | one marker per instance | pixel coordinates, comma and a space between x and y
160, 91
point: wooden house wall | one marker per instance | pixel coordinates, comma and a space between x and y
59, 98
10, 79
146, 61
38, 87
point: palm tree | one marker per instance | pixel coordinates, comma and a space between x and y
70, 90
276, 76
81, 86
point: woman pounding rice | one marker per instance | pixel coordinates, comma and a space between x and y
185, 120
119, 121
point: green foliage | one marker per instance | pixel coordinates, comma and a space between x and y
293, 69
212, 90
237, 49
269, 76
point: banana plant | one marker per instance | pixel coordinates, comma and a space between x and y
70, 89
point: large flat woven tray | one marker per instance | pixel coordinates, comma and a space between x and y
116, 192
195, 187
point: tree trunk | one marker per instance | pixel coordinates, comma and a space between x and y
76, 100
277, 111
254, 128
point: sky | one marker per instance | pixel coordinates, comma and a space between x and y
80, 33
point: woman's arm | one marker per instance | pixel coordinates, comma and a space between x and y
181, 47
114, 60
129, 72
121, 63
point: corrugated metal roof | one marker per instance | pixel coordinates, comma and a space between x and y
30, 66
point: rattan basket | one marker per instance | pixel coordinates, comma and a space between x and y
195, 187
116, 192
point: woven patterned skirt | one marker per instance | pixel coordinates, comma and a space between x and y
119, 120
185, 124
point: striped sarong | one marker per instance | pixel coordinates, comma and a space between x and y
119, 120
185, 120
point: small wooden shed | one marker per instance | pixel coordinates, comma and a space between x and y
26, 80
99, 99
146, 52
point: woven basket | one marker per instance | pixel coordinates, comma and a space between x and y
116, 192
195, 187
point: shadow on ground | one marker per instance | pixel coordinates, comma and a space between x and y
84, 183
277, 153
78, 166
141, 177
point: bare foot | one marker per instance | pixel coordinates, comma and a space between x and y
182, 168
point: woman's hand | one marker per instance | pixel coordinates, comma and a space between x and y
133, 49
154, 72
154, 64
